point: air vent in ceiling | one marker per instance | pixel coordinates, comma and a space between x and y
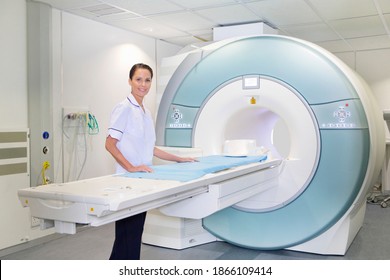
103, 10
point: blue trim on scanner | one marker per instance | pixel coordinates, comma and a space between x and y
303, 68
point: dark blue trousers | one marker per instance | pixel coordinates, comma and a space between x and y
128, 238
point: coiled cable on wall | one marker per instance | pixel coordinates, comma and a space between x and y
75, 127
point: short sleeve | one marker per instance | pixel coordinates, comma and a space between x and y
118, 121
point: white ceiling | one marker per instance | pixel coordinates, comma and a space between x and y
337, 25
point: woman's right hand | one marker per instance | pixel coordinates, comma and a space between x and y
140, 168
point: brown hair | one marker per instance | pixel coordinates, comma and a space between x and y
140, 66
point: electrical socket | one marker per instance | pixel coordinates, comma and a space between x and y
73, 111
35, 222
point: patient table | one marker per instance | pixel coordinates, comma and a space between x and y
218, 181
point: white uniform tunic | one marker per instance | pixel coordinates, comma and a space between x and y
134, 130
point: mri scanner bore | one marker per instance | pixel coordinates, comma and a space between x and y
306, 107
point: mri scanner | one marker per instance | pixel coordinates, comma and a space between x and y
312, 117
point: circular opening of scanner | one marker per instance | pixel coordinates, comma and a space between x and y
264, 126
278, 119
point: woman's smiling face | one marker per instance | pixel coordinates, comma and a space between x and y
140, 83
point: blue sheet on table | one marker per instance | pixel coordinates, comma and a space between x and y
188, 171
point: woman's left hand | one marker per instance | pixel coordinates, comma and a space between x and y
187, 159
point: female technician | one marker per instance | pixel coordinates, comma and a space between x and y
131, 141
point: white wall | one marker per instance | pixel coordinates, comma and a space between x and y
96, 59
373, 66
13, 64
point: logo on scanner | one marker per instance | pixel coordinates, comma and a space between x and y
177, 116
342, 114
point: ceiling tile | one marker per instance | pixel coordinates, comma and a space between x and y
231, 14
314, 32
184, 21
149, 27
370, 43
146, 7
387, 19
70, 4
114, 17
196, 4
359, 27
340, 9
284, 12
384, 6
336, 46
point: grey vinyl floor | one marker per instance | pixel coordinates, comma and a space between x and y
371, 243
